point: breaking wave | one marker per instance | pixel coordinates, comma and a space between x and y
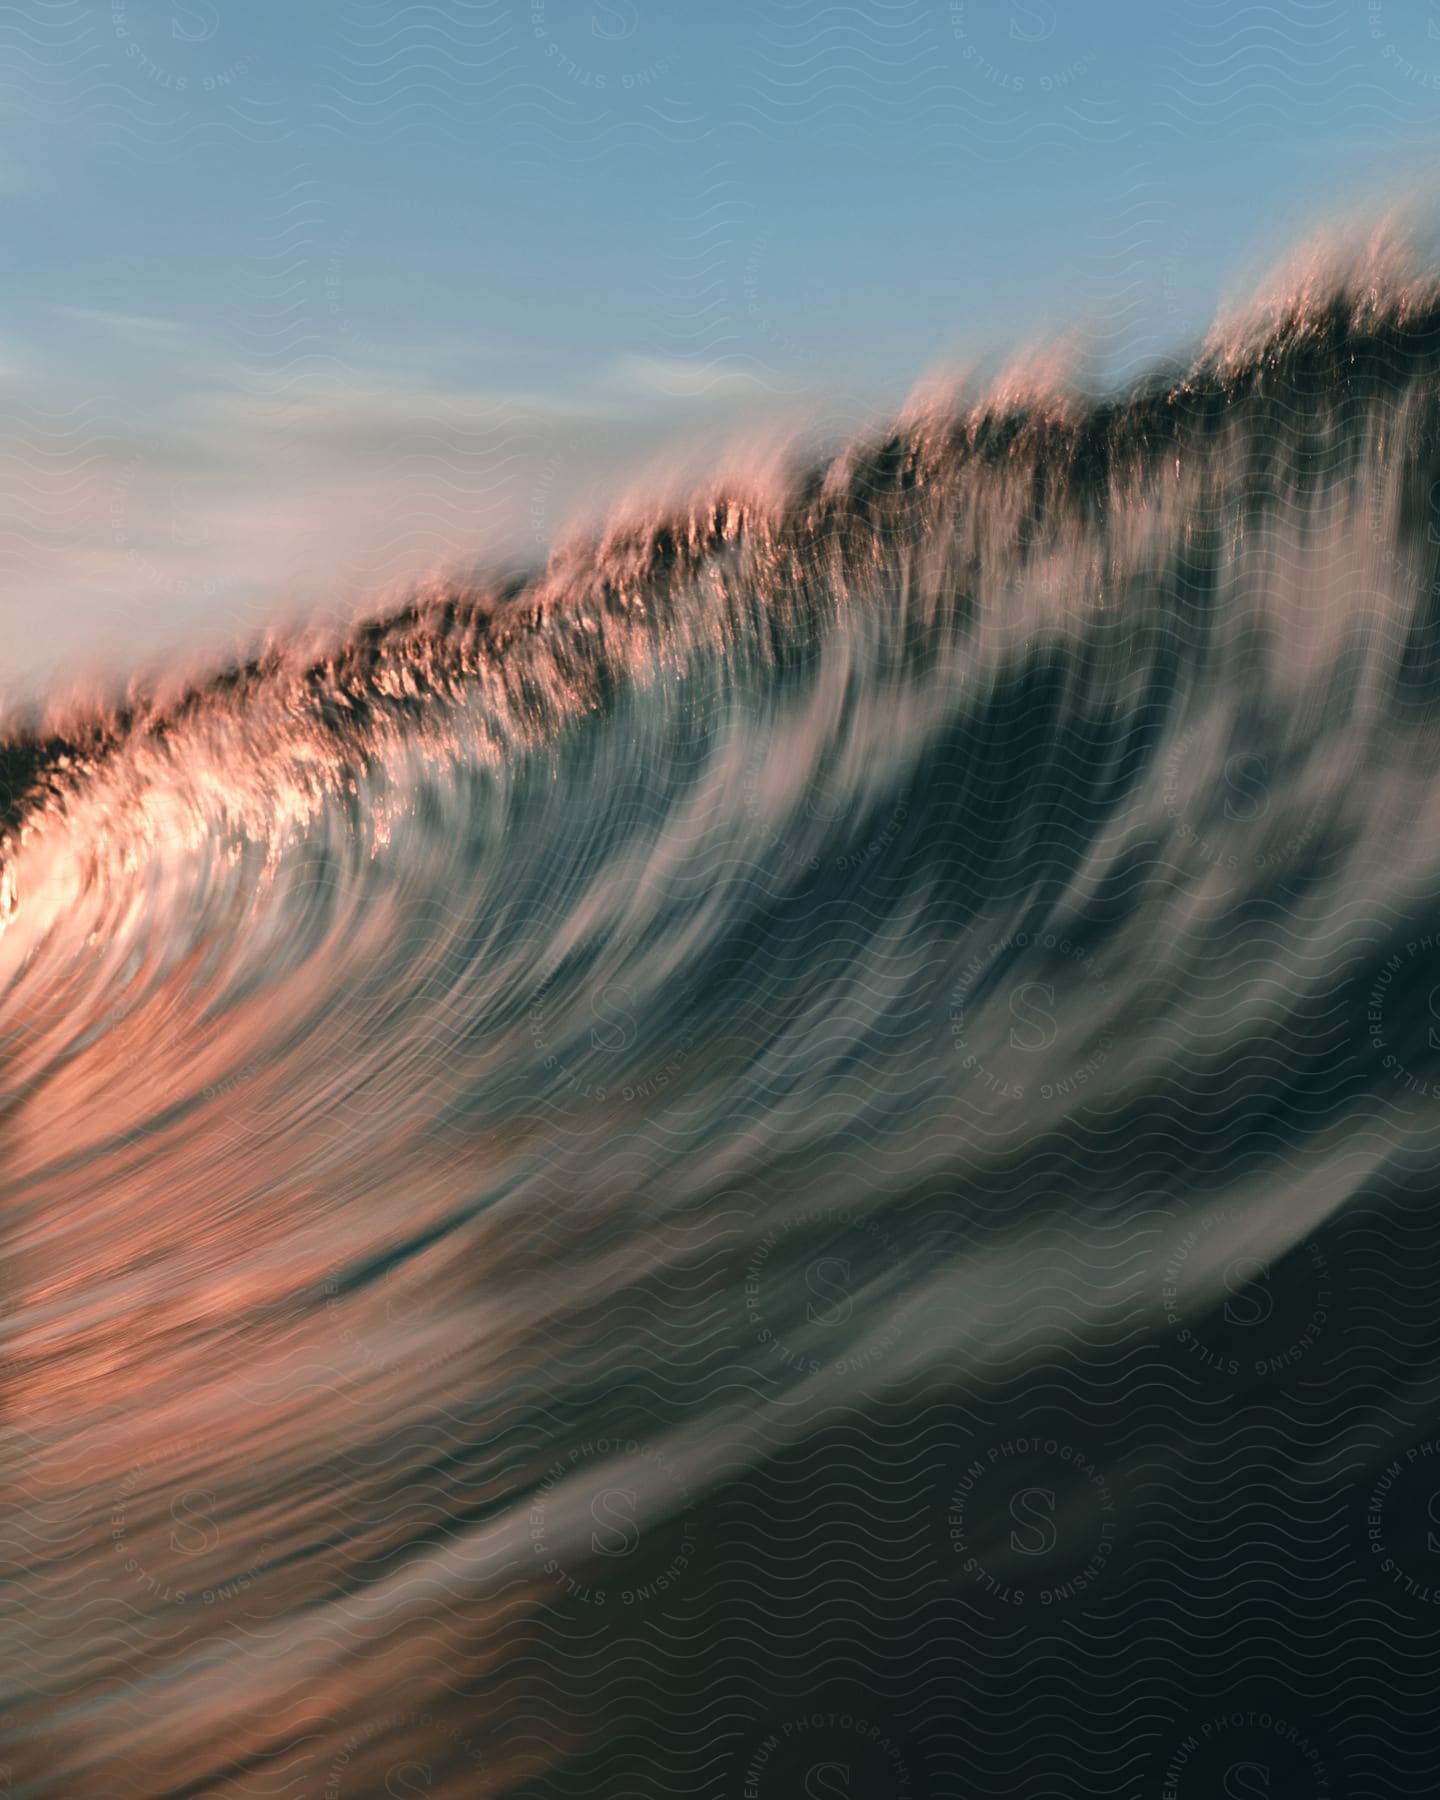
792, 1157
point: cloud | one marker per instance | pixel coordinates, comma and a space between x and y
127, 325
675, 378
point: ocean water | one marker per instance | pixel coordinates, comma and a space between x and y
794, 1157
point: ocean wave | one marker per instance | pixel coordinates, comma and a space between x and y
737, 1157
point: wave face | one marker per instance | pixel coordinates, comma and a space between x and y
793, 1158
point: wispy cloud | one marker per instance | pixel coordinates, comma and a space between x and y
675, 378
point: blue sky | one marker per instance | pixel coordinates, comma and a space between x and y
306, 301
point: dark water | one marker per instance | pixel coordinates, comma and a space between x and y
795, 1159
